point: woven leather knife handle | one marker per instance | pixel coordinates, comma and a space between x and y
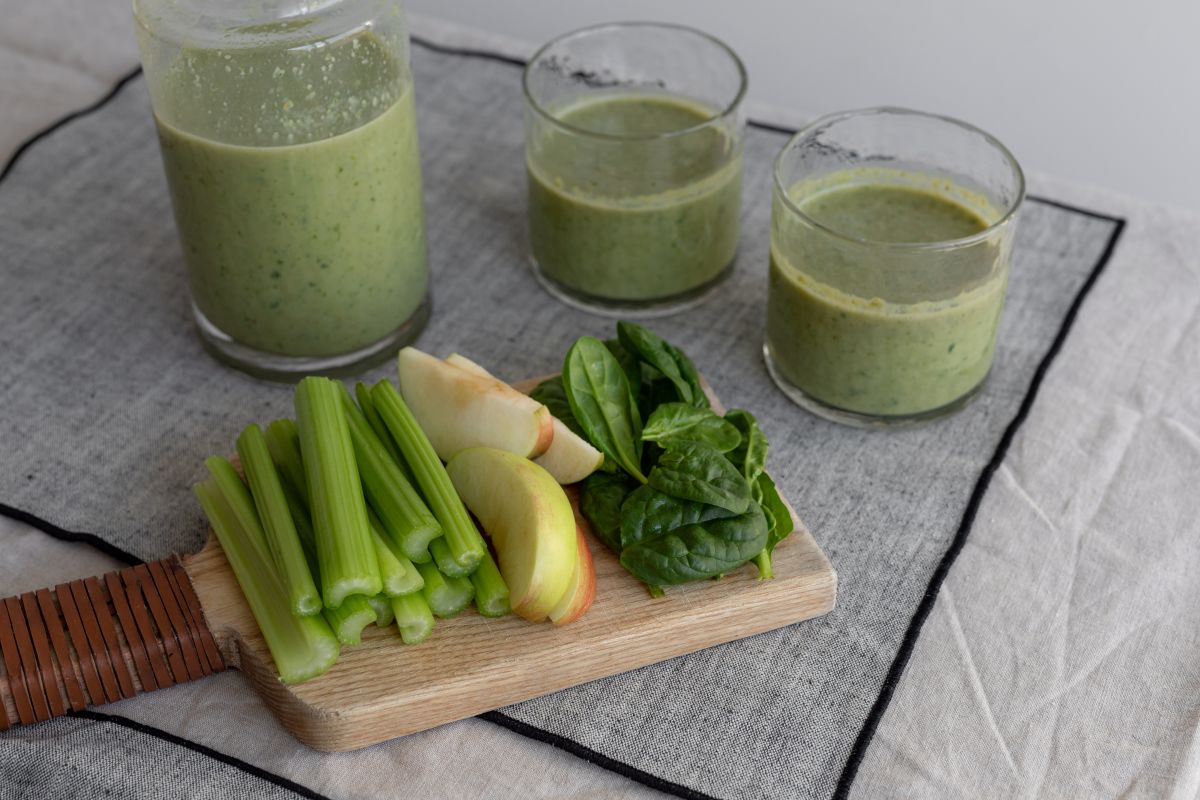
98, 640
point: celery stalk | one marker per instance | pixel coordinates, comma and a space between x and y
406, 518
445, 560
349, 618
413, 617
304, 530
394, 573
404, 579
381, 604
237, 495
345, 551
446, 596
277, 523
399, 575
465, 544
302, 647
349, 614
491, 592
362, 393
283, 440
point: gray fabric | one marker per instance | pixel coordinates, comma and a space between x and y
110, 405
74, 759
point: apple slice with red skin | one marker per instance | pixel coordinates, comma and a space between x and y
530, 521
458, 409
581, 591
570, 457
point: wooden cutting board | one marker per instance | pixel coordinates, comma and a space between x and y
100, 639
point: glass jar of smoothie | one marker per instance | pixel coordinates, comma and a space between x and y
633, 145
891, 236
289, 139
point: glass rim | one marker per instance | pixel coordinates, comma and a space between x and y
941, 244
606, 27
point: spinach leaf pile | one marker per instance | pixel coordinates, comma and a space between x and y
684, 493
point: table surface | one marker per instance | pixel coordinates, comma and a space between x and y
1060, 658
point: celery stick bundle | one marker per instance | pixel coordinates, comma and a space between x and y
346, 517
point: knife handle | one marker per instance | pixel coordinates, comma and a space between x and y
99, 640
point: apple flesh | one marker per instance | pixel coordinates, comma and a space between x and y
458, 409
581, 590
529, 519
462, 362
570, 458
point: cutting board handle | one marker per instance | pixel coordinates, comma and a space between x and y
98, 640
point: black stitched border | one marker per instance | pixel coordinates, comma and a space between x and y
468, 52
908, 643
588, 754
83, 112
204, 750
56, 532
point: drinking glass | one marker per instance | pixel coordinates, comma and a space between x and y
633, 143
891, 237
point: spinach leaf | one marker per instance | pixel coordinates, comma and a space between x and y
779, 517
600, 503
553, 396
629, 363
750, 457
655, 391
667, 359
701, 473
779, 523
648, 514
674, 423
698, 550
598, 393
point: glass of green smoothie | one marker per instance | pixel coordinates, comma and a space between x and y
891, 236
289, 139
633, 145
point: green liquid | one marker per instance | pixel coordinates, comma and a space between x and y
634, 220
891, 213
297, 194
872, 355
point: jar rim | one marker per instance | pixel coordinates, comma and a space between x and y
197, 24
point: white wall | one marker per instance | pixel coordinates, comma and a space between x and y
1105, 92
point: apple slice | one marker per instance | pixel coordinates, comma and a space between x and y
581, 591
529, 519
462, 362
570, 458
458, 409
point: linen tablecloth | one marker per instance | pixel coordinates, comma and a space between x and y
1059, 658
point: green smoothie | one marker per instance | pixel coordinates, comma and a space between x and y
866, 326
632, 215
296, 186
